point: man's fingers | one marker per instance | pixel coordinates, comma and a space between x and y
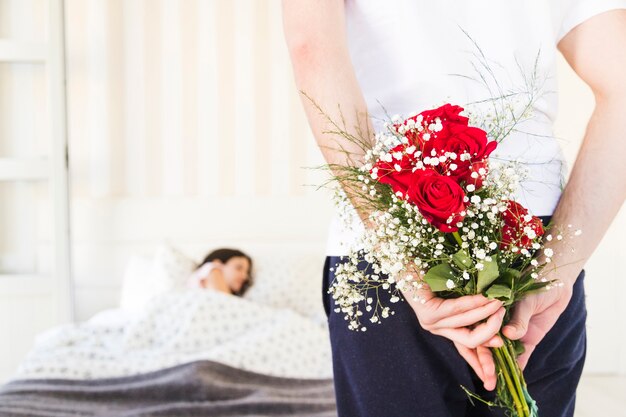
481, 361
484, 331
488, 365
454, 306
477, 336
471, 358
495, 341
470, 317
517, 327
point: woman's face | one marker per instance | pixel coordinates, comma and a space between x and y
236, 272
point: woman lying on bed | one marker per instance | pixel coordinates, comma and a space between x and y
225, 270
186, 353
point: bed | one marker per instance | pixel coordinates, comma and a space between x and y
170, 350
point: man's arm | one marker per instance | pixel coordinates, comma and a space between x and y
316, 38
596, 51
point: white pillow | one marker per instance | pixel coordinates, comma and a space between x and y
291, 281
139, 284
172, 267
145, 278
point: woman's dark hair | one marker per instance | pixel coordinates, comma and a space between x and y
223, 255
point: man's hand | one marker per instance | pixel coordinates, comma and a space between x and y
481, 361
451, 318
532, 319
534, 316
456, 320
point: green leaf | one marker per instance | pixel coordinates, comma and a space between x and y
488, 274
518, 347
499, 291
508, 277
462, 259
438, 275
536, 287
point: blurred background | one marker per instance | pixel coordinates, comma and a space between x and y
183, 124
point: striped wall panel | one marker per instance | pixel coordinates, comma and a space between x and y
173, 98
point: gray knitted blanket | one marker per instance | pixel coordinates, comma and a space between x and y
201, 388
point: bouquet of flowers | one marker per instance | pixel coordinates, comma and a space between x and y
443, 215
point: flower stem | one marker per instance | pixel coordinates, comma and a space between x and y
516, 373
509, 383
458, 238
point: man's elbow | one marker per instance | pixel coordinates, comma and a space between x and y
611, 91
306, 54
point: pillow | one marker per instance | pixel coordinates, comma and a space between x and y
139, 284
291, 281
172, 267
145, 278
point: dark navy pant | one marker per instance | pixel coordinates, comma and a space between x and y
398, 369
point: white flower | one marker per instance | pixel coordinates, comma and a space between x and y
450, 284
548, 252
470, 187
530, 232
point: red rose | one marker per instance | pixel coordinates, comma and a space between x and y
462, 139
514, 214
388, 173
514, 224
454, 136
438, 198
448, 114
477, 181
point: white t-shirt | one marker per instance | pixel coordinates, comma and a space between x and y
404, 51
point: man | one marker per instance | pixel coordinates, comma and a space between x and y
592, 38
